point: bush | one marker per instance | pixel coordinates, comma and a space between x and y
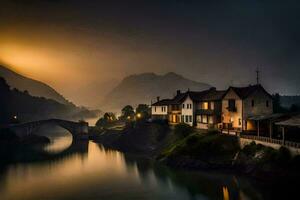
284, 155
212, 131
183, 130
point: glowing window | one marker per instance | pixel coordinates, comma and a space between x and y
174, 118
205, 105
212, 105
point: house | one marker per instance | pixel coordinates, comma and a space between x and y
201, 109
176, 110
159, 109
208, 109
240, 104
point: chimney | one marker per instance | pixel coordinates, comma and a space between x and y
157, 99
178, 92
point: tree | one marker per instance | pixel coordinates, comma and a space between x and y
5, 101
4, 87
294, 108
277, 108
128, 112
107, 118
143, 111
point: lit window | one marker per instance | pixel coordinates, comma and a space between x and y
174, 118
204, 119
205, 105
212, 105
199, 119
210, 120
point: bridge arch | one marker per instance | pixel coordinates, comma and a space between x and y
79, 130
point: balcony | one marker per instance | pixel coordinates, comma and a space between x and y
207, 112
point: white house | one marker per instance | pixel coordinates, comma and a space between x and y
159, 109
187, 111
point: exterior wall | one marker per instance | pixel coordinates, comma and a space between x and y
174, 114
187, 111
215, 107
158, 110
232, 117
259, 107
202, 126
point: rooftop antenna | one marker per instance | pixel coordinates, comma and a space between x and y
257, 75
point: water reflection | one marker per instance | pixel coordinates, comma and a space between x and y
59, 144
86, 170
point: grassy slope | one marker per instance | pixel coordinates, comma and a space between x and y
201, 150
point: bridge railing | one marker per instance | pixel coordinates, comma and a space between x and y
272, 140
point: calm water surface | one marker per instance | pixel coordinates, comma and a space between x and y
86, 170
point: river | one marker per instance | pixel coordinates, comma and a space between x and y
86, 170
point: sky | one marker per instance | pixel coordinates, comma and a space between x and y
83, 46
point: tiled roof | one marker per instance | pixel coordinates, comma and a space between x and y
294, 121
162, 102
244, 92
205, 95
179, 98
214, 95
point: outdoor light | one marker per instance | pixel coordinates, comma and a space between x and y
15, 117
139, 115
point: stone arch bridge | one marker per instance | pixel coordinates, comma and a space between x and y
79, 130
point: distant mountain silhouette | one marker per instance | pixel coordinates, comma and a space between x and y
27, 108
142, 88
35, 88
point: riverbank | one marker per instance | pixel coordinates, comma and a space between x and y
198, 150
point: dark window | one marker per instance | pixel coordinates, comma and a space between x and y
186, 118
190, 118
182, 105
267, 103
231, 104
240, 121
252, 103
155, 108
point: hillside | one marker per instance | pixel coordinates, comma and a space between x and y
29, 108
142, 88
288, 101
35, 88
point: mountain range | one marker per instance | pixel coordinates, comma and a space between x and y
33, 100
146, 87
34, 87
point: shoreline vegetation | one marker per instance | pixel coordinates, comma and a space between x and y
184, 147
